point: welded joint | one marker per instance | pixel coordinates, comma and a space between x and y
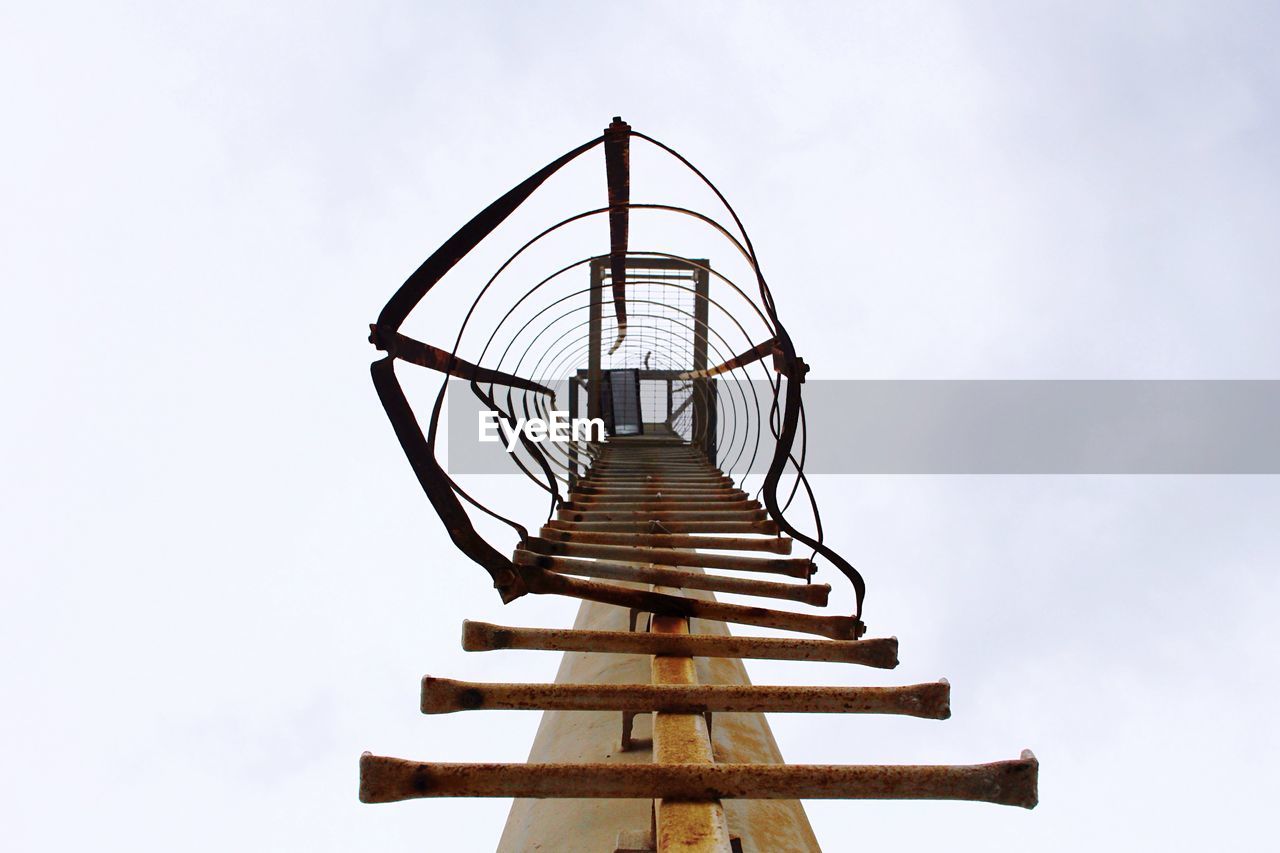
780, 365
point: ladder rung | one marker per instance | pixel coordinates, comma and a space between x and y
731, 496
1010, 783
657, 480
607, 488
651, 525
881, 653
550, 583
791, 567
661, 505
606, 467
931, 701
661, 515
638, 539
815, 594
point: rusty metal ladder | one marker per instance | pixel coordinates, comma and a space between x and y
651, 510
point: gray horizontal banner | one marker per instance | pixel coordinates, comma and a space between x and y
968, 427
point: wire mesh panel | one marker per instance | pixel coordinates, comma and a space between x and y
661, 305
664, 332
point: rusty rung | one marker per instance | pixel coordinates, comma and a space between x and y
543, 582
930, 701
661, 460
610, 488
657, 479
637, 539
665, 459
664, 484
661, 515
815, 594
484, 637
790, 567
605, 471
664, 505
725, 497
653, 525
654, 480
1011, 783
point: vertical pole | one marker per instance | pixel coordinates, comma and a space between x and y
593, 339
573, 445
683, 826
589, 736
713, 411
701, 387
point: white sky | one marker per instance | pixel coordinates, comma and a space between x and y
221, 583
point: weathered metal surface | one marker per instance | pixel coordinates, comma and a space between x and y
930, 701
424, 355
815, 594
835, 627
681, 736
483, 636
751, 356
617, 155
661, 515
660, 497
611, 486
794, 568
1009, 783
658, 506
606, 487
584, 736
657, 476
763, 527
604, 468
772, 544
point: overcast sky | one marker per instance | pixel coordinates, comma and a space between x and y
221, 582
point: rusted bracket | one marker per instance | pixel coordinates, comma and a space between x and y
751, 356
416, 352
796, 370
628, 741
633, 617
